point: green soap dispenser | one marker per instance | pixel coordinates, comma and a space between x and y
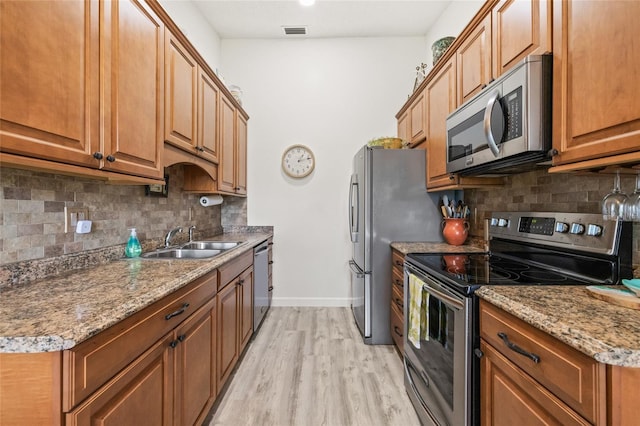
133, 248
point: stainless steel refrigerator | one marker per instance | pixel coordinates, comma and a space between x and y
388, 201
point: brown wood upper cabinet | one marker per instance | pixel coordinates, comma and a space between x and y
417, 122
596, 107
519, 28
191, 103
84, 86
474, 61
232, 169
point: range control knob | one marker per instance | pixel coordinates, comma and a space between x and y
577, 228
562, 227
494, 221
503, 222
594, 230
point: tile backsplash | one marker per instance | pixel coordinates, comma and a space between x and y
32, 213
542, 191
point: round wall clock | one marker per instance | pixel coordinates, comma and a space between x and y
298, 161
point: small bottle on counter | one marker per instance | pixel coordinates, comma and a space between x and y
133, 248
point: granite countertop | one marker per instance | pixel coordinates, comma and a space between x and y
436, 247
606, 332
57, 313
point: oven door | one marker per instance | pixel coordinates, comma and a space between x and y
438, 374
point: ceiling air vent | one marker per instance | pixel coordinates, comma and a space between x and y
297, 30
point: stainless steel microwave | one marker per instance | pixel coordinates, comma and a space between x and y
507, 127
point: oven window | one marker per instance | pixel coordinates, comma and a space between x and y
437, 347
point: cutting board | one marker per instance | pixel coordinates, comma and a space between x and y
617, 295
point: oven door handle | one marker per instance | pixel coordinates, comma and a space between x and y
436, 289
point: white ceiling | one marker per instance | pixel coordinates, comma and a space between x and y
327, 18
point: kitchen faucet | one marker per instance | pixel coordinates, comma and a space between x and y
170, 234
191, 228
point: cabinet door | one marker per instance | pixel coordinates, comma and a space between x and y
226, 167
509, 397
474, 61
403, 126
417, 120
133, 101
207, 117
227, 332
246, 308
241, 160
181, 77
49, 69
441, 101
520, 28
195, 366
596, 107
141, 394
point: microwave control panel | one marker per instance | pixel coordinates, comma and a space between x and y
512, 104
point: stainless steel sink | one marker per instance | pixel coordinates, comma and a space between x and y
181, 253
210, 245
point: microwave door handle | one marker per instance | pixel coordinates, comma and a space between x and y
494, 123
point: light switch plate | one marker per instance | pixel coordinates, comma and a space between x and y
72, 215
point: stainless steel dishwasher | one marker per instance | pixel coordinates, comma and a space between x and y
260, 283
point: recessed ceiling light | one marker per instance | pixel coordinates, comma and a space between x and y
307, 2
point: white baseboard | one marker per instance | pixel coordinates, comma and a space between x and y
311, 301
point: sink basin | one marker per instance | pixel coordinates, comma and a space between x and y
210, 245
181, 253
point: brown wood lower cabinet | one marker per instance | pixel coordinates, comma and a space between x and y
529, 377
235, 313
227, 332
164, 365
397, 299
140, 394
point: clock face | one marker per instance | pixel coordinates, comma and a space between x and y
298, 161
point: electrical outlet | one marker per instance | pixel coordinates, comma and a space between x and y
72, 215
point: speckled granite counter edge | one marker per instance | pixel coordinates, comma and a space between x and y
406, 247
60, 336
578, 339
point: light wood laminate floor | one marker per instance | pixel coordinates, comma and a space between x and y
309, 366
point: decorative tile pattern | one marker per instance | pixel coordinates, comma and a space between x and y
32, 218
541, 191
606, 332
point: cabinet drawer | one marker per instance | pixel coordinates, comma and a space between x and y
397, 327
90, 364
233, 268
397, 281
572, 376
397, 298
397, 261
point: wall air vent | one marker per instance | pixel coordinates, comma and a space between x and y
295, 30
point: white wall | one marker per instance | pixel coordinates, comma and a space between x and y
332, 95
197, 29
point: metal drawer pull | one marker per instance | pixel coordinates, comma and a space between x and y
178, 312
399, 303
397, 330
535, 358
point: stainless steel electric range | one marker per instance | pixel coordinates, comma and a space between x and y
442, 359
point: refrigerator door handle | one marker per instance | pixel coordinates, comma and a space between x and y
354, 208
356, 270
